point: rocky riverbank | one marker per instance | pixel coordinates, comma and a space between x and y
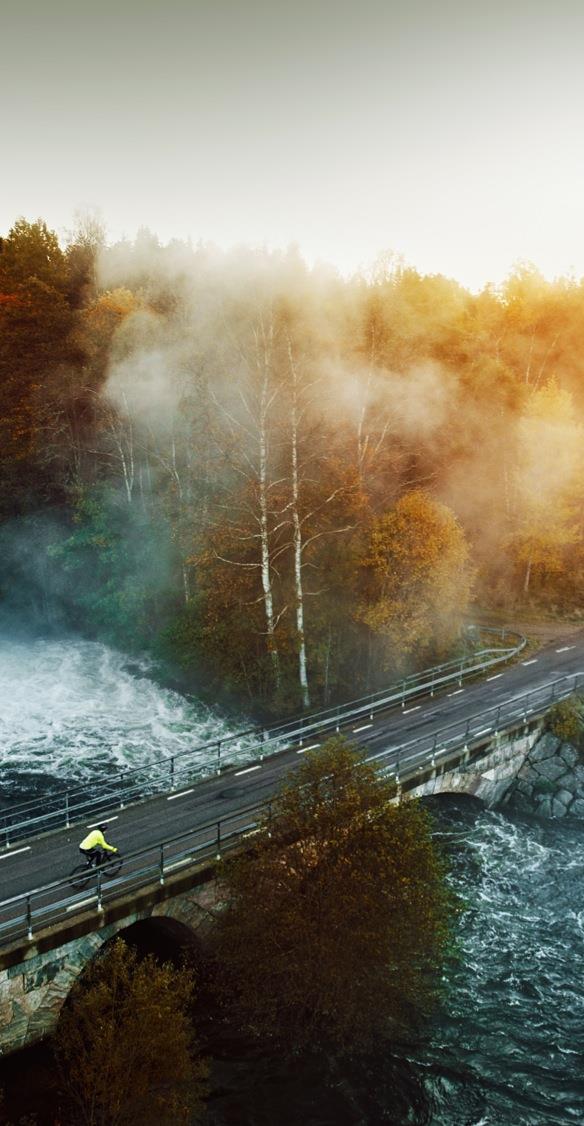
551, 781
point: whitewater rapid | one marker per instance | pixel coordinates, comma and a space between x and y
71, 710
508, 1046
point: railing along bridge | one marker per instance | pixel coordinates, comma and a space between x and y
95, 800
23, 915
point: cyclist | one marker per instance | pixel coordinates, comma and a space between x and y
94, 845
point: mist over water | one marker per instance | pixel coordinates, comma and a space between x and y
72, 710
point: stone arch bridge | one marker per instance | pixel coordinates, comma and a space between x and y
49, 934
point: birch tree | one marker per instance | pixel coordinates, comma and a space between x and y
246, 412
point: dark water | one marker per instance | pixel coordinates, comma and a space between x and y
509, 1046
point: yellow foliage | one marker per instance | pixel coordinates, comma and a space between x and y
417, 574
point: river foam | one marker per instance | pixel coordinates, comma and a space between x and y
70, 710
508, 1049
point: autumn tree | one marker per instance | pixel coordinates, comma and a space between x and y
124, 1044
36, 329
338, 915
415, 578
549, 491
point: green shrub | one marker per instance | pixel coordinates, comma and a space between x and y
566, 721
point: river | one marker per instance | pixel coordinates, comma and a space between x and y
507, 1048
73, 710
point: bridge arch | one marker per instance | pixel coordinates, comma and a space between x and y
34, 990
167, 938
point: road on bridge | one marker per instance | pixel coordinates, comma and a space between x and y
34, 863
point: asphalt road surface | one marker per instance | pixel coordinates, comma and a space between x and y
29, 865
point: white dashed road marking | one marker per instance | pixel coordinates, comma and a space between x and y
182, 794
15, 852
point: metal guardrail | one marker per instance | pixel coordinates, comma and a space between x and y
21, 915
97, 799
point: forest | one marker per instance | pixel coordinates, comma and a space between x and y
286, 485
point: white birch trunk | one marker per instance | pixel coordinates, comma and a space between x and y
297, 539
263, 504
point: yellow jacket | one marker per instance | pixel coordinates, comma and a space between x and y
96, 839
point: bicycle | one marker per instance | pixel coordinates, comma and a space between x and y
82, 873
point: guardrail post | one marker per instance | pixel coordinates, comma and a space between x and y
7, 832
403, 700
301, 739
172, 772
122, 776
432, 684
219, 757
338, 719
269, 818
99, 891
460, 674
497, 720
161, 862
29, 918
218, 840
67, 821
434, 751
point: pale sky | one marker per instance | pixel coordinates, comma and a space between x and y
451, 133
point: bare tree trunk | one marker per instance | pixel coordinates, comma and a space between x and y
263, 500
527, 577
327, 662
297, 537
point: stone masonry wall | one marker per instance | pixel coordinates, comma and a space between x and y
550, 783
33, 992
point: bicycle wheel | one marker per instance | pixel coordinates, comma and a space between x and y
112, 867
80, 876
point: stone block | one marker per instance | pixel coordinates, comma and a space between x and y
551, 769
568, 755
577, 808
11, 989
544, 748
521, 803
43, 975
558, 808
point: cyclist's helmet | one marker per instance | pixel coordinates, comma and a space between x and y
102, 828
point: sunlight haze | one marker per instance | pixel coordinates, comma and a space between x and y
448, 134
